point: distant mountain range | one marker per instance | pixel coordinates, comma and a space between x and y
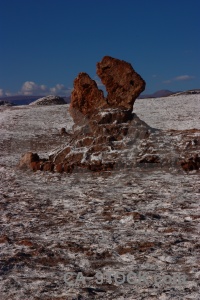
158, 94
25, 100
166, 93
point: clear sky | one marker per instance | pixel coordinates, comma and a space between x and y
44, 44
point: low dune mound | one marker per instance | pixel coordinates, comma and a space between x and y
49, 100
5, 103
189, 92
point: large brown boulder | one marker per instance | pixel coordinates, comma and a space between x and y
27, 159
122, 83
85, 98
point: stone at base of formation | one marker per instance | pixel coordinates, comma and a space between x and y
107, 135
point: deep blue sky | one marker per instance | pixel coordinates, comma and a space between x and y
46, 43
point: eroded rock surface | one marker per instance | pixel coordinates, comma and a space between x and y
97, 145
105, 121
86, 98
122, 83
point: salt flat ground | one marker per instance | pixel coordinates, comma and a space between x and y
127, 220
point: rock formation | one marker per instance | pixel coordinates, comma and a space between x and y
104, 121
101, 123
86, 98
122, 83
106, 133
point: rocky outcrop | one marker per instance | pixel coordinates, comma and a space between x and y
107, 134
97, 145
101, 123
86, 98
122, 83
49, 100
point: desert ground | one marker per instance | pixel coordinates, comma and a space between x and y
143, 220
